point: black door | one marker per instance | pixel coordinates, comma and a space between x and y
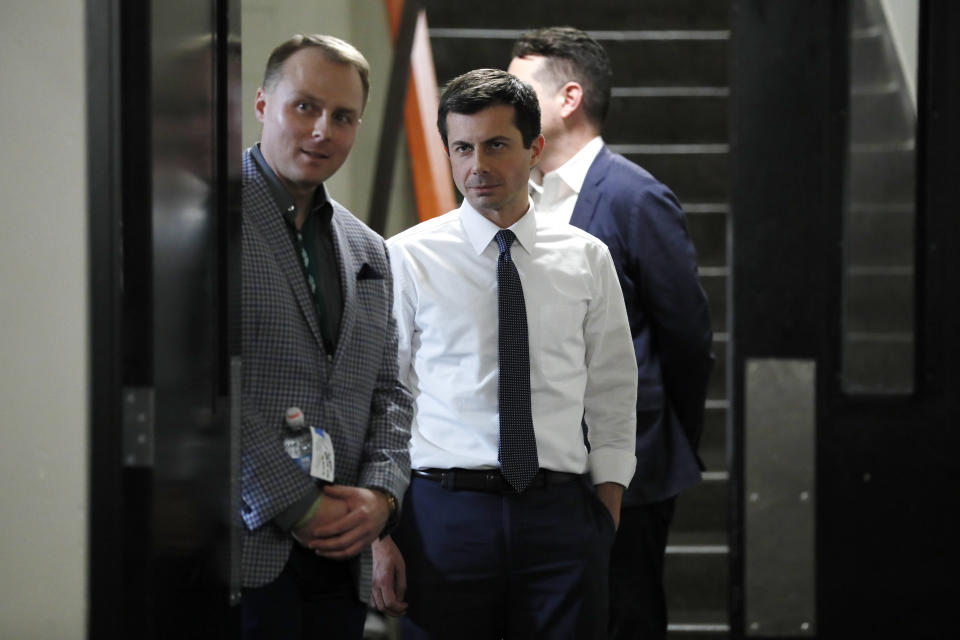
845, 304
164, 162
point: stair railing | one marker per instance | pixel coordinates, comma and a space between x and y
412, 84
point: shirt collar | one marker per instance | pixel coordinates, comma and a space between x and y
480, 231
535, 189
284, 200
574, 171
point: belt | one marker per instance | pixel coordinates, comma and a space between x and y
489, 480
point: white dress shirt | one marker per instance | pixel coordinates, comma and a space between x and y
581, 356
557, 196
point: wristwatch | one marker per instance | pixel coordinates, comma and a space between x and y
391, 502
393, 518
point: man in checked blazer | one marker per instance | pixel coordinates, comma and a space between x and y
318, 335
639, 219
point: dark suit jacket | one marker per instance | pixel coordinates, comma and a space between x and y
642, 223
354, 394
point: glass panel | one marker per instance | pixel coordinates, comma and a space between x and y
879, 217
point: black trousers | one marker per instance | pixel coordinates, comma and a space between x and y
490, 566
638, 606
311, 598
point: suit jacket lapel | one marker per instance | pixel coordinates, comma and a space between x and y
270, 221
348, 282
589, 197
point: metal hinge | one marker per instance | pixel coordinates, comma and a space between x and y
138, 422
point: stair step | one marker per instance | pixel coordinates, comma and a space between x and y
702, 175
881, 117
599, 14
713, 631
895, 165
880, 303
881, 237
696, 582
684, 62
864, 53
714, 458
713, 441
698, 625
717, 386
716, 289
691, 61
879, 362
709, 234
702, 508
668, 119
453, 56
698, 543
862, 16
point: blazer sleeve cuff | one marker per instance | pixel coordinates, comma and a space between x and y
386, 478
289, 517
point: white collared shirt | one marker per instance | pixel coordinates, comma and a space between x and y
557, 196
581, 355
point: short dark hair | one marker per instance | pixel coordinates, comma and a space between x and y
481, 88
335, 49
571, 54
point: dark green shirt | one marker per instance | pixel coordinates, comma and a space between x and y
320, 247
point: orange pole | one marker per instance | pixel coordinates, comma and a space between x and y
432, 181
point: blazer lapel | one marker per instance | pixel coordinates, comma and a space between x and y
271, 223
348, 282
586, 207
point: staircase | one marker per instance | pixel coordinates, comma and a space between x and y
880, 216
669, 115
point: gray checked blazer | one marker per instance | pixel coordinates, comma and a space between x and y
355, 394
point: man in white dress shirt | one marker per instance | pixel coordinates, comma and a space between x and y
514, 341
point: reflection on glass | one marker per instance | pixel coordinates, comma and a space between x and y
878, 334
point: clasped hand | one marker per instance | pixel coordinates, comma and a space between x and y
347, 520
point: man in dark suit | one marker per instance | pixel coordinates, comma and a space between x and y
581, 181
319, 343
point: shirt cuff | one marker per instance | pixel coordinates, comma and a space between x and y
292, 515
612, 465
